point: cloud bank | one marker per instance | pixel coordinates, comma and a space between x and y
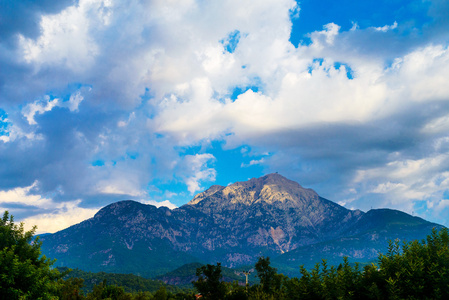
106, 100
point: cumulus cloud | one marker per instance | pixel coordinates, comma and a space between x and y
105, 100
23, 16
64, 40
51, 216
64, 216
22, 196
198, 171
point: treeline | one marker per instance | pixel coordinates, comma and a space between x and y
411, 270
131, 283
115, 292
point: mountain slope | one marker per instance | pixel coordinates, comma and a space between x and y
273, 212
234, 225
360, 243
124, 237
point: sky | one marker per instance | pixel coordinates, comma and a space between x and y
155, 101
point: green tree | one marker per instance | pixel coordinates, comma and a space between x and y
70, 289
270, 280
209, 283
142, 296
109, 292
417, 269
413, 270
161, 294
24, 273
237, 292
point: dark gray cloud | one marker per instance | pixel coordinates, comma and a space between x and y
329, 157
23, 16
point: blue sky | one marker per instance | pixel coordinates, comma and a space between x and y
105, 100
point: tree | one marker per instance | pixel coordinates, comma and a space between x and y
417, 269
209, 282
70, 289
161, 294
269, 279
24, 273
237, 292
109, 292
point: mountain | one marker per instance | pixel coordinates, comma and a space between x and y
362, 242
270, 216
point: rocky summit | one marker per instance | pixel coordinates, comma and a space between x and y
271, 216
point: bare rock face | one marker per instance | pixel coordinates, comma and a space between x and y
271, 212
270, 189
269, 216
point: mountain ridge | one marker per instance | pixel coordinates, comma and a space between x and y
270, 216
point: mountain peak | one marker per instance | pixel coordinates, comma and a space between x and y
273, 177
117, 208
270, 189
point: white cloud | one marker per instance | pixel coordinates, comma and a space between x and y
38, 107
253, 162
117, 188
299, 93
443, 204
120, 179
74, 101
65, 215
405, 182
438, 125
47, 104
165, 203
421, 75
388, 187
198, 171
165, 65
326, 36
53, 216
65, 38
14, 132
22, 195
131, 117
386, 27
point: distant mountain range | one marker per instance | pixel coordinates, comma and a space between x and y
270, 216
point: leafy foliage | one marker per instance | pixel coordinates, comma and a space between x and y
420, 269
24, 273
183, 276
417, 270
130, 282
270, 281
71, 289
209, 282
